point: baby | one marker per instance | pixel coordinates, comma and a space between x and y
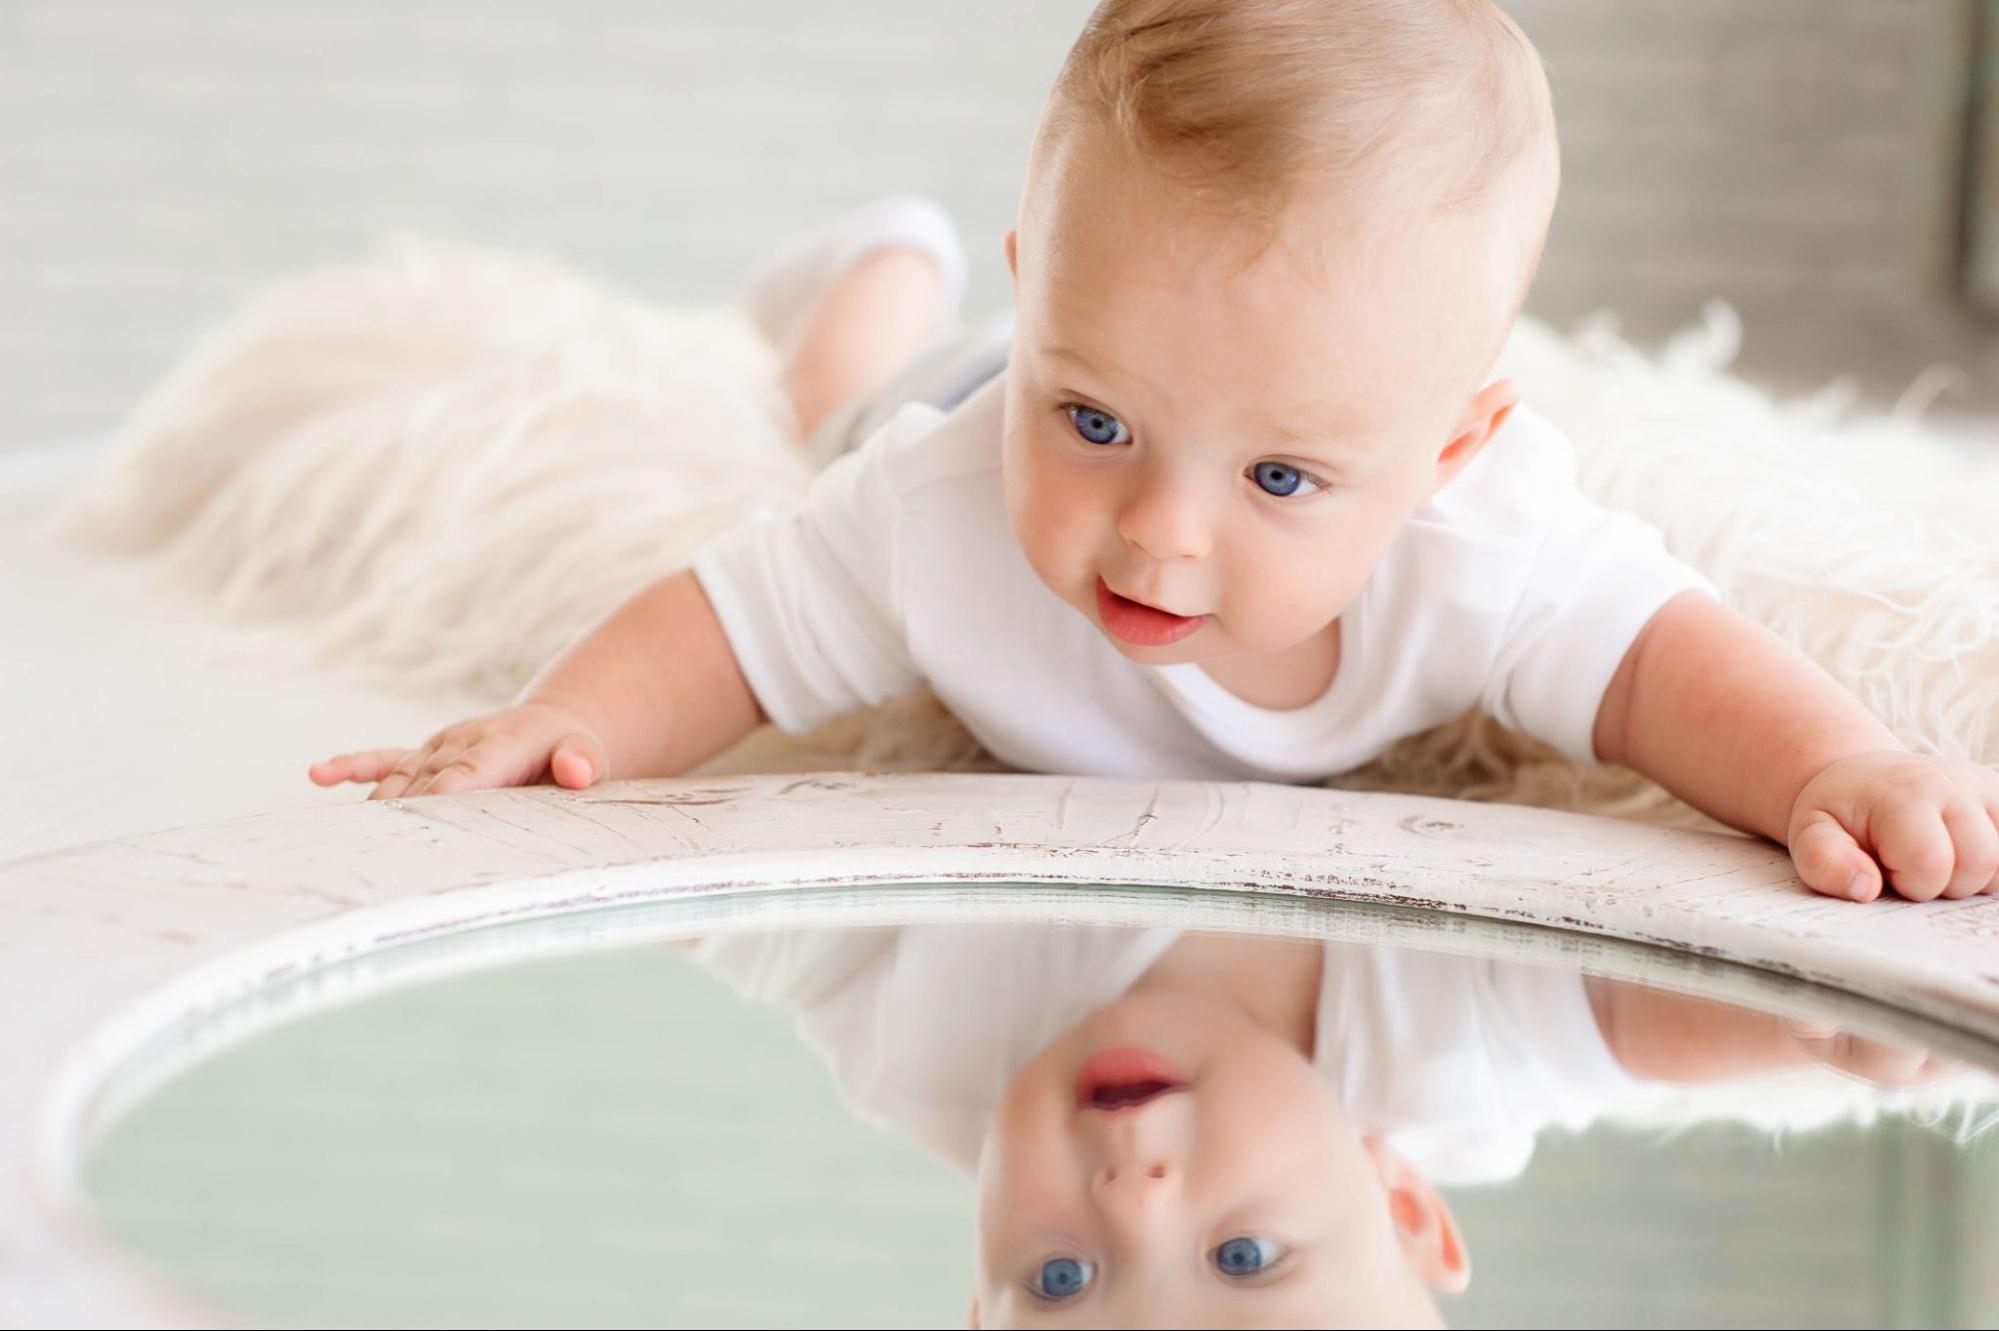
1243, 502
1174, 1129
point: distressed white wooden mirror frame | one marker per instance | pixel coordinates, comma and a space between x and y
109, 949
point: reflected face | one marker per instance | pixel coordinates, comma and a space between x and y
1233, 445
1169, 1162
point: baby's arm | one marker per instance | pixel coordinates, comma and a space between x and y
1661, 1036
658, 678
653, 690
1730, 718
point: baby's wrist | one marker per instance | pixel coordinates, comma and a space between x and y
1823, 762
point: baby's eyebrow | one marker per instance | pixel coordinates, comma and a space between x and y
1057, 351
1332, 452
1324, 443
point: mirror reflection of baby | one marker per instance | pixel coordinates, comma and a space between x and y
1241, 499
1176, 1129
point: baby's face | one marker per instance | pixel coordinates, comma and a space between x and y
1234, 443
1240, 1197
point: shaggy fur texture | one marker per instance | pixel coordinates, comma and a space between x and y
445, 464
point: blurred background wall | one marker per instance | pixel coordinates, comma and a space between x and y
160, 160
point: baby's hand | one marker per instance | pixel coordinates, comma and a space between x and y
517, 746
1932, 824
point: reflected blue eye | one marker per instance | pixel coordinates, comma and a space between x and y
1099, 427
1063, 1278
1246, 1256
1280, 480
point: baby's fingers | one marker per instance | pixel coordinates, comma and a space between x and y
366, 765
1831, 861
1914, 846
441, 759
1976, 843
577, 760
574, 761
413, 766
504, 760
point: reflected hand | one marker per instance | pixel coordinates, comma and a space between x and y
1890, 1067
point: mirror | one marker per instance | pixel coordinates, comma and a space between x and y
1119, 1107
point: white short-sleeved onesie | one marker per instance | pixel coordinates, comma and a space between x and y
1508, 589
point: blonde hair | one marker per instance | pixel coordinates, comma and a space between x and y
1254, 100
1396, 109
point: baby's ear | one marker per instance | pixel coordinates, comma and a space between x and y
1488, 411
973, 1322
1423, 1222
1012, 263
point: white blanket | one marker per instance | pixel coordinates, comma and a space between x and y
443, 465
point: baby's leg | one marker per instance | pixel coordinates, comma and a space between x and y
868, 323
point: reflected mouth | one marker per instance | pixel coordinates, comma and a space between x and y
1118, 1079
1128, 1097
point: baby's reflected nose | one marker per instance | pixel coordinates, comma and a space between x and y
1135, 1188
1139, 1161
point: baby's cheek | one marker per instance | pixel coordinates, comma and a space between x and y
1276, 597
1055, 524
1027, 1169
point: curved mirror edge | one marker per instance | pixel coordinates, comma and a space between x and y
170, 1039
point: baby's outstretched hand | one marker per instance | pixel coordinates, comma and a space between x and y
516, 746
1927, 827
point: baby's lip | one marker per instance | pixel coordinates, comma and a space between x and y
1125, 1078
1147, 604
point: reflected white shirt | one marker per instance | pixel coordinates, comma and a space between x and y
1456, 1062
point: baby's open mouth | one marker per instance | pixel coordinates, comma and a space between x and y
1139, 623
1126, 1078
1128, 1097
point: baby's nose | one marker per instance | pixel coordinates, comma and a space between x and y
1166, 522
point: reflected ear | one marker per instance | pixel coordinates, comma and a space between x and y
1423, 1222
973, 1322
1012, 263
1488, 411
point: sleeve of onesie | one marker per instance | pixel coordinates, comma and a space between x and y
809, 596
1595, 578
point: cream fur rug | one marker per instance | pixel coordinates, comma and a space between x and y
444, 465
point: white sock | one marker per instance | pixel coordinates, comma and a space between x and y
783, 287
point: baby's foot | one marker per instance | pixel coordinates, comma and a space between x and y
782, 289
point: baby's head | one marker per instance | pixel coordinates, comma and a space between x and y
1268, 252
1109, 1196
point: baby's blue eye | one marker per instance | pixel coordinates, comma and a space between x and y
1246, 1256
1063, 1278
1280, 480
1099, 427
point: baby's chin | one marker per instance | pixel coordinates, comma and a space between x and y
1184, 652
